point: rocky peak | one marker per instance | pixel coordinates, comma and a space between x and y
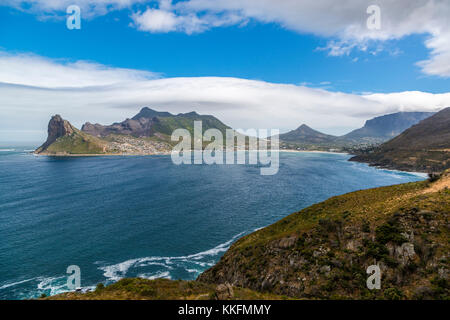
150, 113
57, 127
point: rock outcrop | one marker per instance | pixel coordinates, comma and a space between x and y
65, 139
57, 127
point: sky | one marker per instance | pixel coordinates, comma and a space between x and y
252, 63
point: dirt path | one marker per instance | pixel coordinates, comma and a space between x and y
441, 184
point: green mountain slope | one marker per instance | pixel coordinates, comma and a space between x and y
151, 123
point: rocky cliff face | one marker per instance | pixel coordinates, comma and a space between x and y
142, 127
57, 127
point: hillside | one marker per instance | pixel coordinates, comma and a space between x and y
423, 147
306, 135
322, 252
163, 289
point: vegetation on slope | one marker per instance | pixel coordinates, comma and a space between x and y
323, 251
77, 143
162, 289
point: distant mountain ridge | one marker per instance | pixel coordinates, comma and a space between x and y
423, 147
306, 134
374, 131
388, 126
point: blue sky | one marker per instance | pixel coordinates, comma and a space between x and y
252, 63
256, 51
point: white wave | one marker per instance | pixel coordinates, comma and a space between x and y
118, 271
12, 284
57, 285
53, 284
193, 270
7, 150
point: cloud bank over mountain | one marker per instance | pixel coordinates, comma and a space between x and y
83, 91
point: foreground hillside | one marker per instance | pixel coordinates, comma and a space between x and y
164, 289
323, 251
424, 147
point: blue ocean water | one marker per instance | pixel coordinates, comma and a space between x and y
120, 217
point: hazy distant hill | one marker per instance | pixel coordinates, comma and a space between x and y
305, 134
375, 131
423, 147
386, 127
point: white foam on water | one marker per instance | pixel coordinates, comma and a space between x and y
118, 271
7, 150
12, 284
193, 270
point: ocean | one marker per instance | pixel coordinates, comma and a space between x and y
143, 216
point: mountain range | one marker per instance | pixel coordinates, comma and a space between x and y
424, 146
148, 123
374, 131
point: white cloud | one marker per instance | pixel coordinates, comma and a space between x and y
169, 17
89, 8
32, 70
96, 93
155, 20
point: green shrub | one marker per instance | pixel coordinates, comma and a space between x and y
389, 232
99, 287
393, 294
